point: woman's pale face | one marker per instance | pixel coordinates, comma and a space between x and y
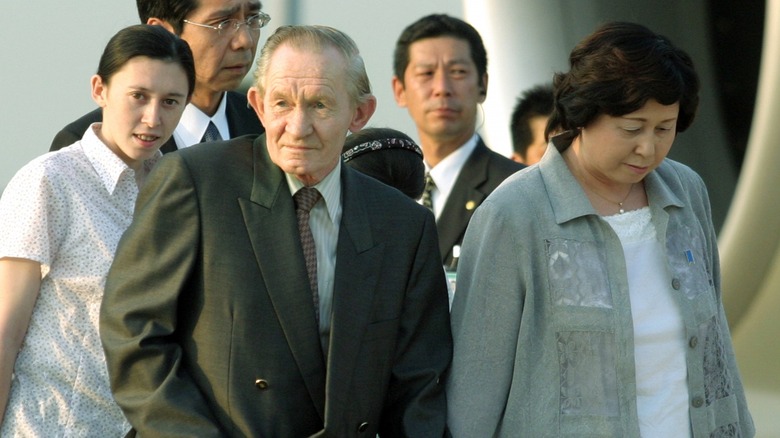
624, 149
142, 103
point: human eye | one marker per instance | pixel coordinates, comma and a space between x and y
170, 102
228, 24
137, 95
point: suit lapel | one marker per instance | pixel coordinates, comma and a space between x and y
269, 215
464, 198
358, 263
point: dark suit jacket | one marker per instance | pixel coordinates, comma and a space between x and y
241, 118
210, 330
481, 174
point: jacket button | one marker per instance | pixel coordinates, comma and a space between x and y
363, 427
676, 284
693, 342
697, 402
261, 384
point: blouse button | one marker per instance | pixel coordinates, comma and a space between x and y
261, 384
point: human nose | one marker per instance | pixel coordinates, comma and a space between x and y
645, 145
244, 37
442, 85
151, 116
298, 123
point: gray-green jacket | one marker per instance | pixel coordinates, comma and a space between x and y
541, 321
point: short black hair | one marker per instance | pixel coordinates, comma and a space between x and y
616, 70
439, 25
172, 11
534, 102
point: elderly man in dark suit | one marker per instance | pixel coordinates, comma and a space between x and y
223, 37
440, 76
224, 315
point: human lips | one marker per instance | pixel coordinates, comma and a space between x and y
638, 169
146, 140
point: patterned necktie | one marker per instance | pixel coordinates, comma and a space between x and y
427, 198
212, 133
305, 199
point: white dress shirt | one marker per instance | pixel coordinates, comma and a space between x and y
324, 220
193, 124
446, 172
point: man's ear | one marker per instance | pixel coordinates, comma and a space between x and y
483, 88
158, 22
399, 92
256, 102
363, 113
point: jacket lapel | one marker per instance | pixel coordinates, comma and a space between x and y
464, 198
269, 215
358, 263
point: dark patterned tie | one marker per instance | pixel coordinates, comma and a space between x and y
427, 199
212, 133
305, 199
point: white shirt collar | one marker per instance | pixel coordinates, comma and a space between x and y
446, 172
193, 124
108, 166
329, 188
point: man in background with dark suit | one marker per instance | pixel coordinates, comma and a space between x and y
265, 289
223, 37
440, 76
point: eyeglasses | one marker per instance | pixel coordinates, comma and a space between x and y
253, 23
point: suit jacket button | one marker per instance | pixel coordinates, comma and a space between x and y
676, 284
471, 205
363, 427
697, 402
261, 384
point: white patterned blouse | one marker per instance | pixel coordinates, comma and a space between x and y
67, 211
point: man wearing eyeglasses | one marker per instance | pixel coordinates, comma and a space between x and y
223, 36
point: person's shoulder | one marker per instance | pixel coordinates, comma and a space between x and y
214, 151
54, 166
500, 163
74, 130
672, 171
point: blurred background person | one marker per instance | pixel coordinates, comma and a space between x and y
388, 155
223, 36
589, 299
65, 212
529, 120
440, 77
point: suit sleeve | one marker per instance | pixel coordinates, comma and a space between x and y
416, 405
486, 314
138, 318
